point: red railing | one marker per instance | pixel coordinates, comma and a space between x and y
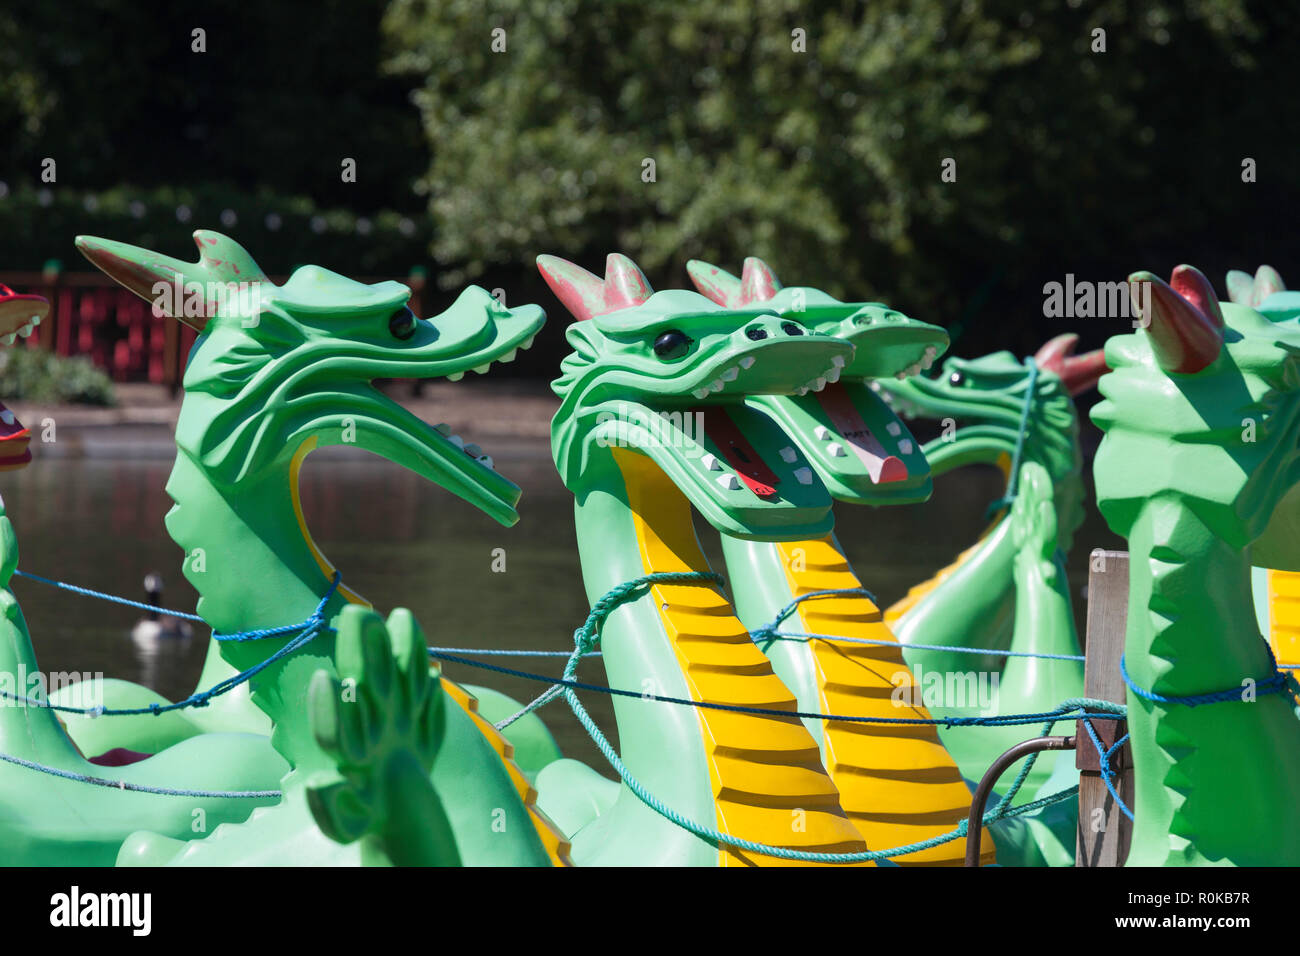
93, 316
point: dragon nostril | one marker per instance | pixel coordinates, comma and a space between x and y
756, 333
790, 328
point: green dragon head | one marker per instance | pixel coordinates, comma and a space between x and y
666, 374
291, 366
1203, 407
985, 400
860, 449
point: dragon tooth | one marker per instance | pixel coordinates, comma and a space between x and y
900, 374
7, 417
838, 361
717, 385
482, 369
474, 450
801, 391
747, 361
528, 343
487, 462
905, 447
729, 481
894, 428
788, 455
8, 339
803, 476
701, 392
711, 462
875, 386
822, 432
508, 356
455, 376
835, 450
27, 330
36, 320
833, 374
457, 441
730, 374
443, 430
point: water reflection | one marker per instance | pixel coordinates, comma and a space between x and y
401, 542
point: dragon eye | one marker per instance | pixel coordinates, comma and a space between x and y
790, 328
672, 344
956, 378
402, 323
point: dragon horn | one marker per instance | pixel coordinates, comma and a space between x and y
586, 295
758, 282
1241, 287
716, 284
1267, 281
1191, 284
1183, 338
221, 261
625, 283
1078, 372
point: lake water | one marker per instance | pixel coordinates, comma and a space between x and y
403, 542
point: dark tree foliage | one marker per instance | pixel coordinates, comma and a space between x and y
826, 160
811, 134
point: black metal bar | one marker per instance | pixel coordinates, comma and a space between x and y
973, 822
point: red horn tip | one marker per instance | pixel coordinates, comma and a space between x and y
1184, 338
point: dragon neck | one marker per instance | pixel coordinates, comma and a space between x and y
685, 641
249, 555
1192, 630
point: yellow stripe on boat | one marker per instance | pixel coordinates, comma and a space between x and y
557, 847
897, 783
1284, 616
768, 782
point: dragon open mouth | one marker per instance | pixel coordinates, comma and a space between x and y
737, 466
434, 451
854, 441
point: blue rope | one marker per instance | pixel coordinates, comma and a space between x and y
141, 787
308, 630
881, 642
1107, 774
87, 592
1270, 685
996, 720
1013, 479
500, 652
767, 633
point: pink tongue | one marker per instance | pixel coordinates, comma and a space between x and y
844, 416
740, 454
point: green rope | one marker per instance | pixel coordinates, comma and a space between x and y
1013, 479
587, 637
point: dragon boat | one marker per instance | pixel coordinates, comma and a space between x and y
323, 733
314, 740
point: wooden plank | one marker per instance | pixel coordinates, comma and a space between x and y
1104, 832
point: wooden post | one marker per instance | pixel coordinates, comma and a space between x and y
1104, 832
